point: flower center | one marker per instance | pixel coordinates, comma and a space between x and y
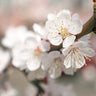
37, 51
64, 33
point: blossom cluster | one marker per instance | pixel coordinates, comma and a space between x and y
51, 49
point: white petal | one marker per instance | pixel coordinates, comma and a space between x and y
33, 63
48, 59
37, 28
7, 43
79, 60
56, 40
51, 16
69, 71
54, 72
54, 54
64, 14
45, 46
88, 52
21, 64
75, 16
45, 61
69, 41
81, 44
66, 50
85, 38
50, 26
67, 61
31, 43
76, 27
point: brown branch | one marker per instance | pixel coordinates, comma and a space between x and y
87, 28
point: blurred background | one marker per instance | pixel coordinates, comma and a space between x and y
27, 12
16, 12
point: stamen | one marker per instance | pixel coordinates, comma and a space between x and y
57, 17
55, 32
53, 20
49, 27
87, 49
73, 27
51, 32
66, 17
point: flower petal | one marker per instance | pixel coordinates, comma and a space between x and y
54, 54
33, 63
50, 26
79, 60
76, 27
88, 52
67, 61
51, 16
81, 44
66, 50
21, 64
44, 46
55, 72
69, 71
69, 41
75, 16
65, 14
55, 40
45, 62
38, 29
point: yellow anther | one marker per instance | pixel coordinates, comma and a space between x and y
87, 49
55, 26
73, 27
61, 28
64, 28
66, 17
71, 19
68, 25
53, 20
90, 52
49, 27
62, 21
55, 32
57, 29
57, 17
51, 32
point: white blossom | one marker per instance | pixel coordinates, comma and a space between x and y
4, 59
76, 53
40, 30
28, 55
62, 27
53, 63
15, 35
